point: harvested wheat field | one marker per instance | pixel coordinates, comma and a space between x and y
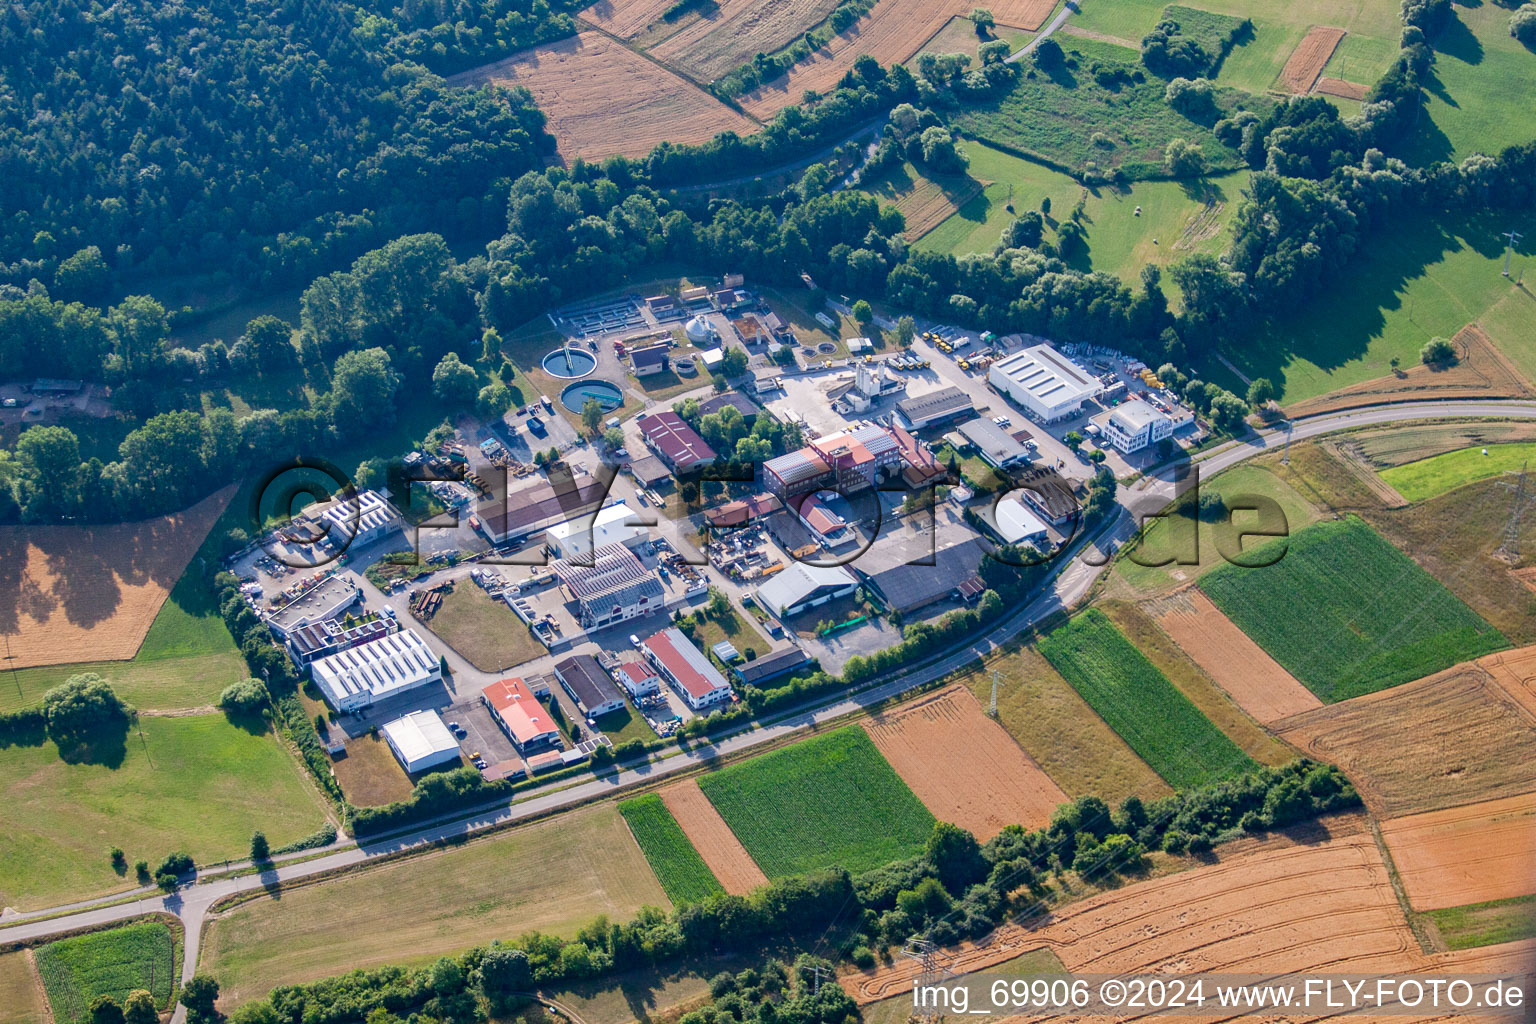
891, 33
603, 99
1322, 903
930, 204
1340, 88
1307, 61
963, 766
1515, 671
1480, 371
713, 838
625, 18
89, 593
1438, 742
1257, 682
729, 36
1469, 854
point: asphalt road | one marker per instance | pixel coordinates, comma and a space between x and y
1072, 578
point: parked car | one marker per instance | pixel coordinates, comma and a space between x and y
634, 640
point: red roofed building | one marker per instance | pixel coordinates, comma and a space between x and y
639, 678
675, 442
686, 668
525, 721
825, 523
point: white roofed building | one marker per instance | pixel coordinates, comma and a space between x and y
577, 539
1043, 382
361, 519
803, 586
1134, 425
1016, 524
377, 670
420, 741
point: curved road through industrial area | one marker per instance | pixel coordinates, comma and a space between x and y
1070, 582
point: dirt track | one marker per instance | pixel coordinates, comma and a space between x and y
963, 766
1515, 671
602, 98
713, 838
1257, 682
1307, 61
1467, 854
90, 593
1438, 742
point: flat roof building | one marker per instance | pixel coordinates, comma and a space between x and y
379, 669
321, 639
936, 407
588, 685
906, 588
803, 586
995, 445
1044, 383
577, 539
675, 442
420, 741
614, 588
1132, 426
327, 599
686, 668
649, 471
517, 711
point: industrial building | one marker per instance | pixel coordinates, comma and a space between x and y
639, 678
770, 666
576, 539
850, 461
675, 442
360, 519
829, 527
1132, 426
1044, 383
526, 512
730, 399
420, 741
317, 640
686, 668
318, 602
1016, 523
377, 670
936, 407
588, 685
614, 588
803, 586
906, 588
649, 360
996, 446
742, 511
517, 711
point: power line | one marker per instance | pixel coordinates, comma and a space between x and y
1509, 549
1514, 237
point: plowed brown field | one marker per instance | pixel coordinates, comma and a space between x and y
1515, 671
625, 18
1241, 667
90, 593
963, 766
713, 838
728, 37
891, 33
1309, 58
1340, 88
930, 204
603, 99
1438, 742
1481, 371
1468, 854
1325, 903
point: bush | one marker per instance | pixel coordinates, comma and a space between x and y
1522, 24
1438, 352
82, 706
141, 872
260, 851
247, 697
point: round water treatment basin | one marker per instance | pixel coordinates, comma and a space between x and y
604, 393
568, 363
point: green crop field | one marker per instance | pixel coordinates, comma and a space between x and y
678, 866
1486, 924
1428, 478
1139, 703
828, 801
114, 963
187, 783
1176, 219
1346, 613
1418, 279
1067, 119
1478, 99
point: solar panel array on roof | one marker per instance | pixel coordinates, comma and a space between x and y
379, 668
614, 568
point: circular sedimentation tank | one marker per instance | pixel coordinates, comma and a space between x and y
606, 393
568, 362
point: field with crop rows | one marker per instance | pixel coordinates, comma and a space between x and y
1347, 613
678, 866
828, 801
1139, 703
77, 970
